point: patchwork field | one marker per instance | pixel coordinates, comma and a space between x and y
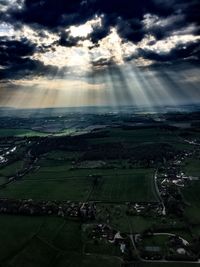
112, 170
56, 179
42, 241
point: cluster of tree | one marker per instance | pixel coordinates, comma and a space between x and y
57, 208
180, 117
148, 152
46, 144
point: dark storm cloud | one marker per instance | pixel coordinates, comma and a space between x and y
16, 62
127, 16
13, 52
67, 40
189, 53
60, 13
99, 32
131, 30
27, 67
3, 2
103, 62
181, 51
166, 27
189, 8
51, 13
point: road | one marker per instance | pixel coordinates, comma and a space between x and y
158, 192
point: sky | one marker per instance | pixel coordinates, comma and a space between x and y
71, 53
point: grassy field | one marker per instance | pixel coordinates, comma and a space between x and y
191, 191
62, 155
59, 181
71, 189
36, 253
119, 220
192, 167
77, 260
2, 180
45, 242
57, 178
192, 198
20, 132
135, 186
50, 241
11, 169
59, 164
101, 247
29, 132
65, 132
163, 264
15, 232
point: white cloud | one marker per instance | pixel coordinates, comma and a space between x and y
190, 29
166, 45
151, 21
11, 4
85, 29
6, 29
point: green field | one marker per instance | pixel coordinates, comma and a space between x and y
163, 264
135, 186
89, 260
101, 247
11, 169
192, 167
119, 220
29, 132
20, 133
59, 181
72, 189
59, 155
42, 241
2, 180
191, 190
192, 198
